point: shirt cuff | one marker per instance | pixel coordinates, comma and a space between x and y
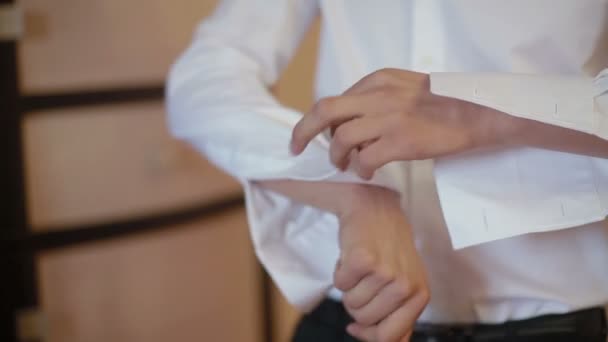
507, 192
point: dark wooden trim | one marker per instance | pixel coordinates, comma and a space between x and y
267, 307
40, 102
12, 201
64, 237
18, 271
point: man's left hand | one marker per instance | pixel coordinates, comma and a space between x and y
391, 115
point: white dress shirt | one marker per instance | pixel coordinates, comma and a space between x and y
538, 59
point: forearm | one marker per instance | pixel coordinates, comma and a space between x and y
503, 129
529, 110
338, 198
561, 139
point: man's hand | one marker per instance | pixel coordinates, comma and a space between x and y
380, 272
392, 115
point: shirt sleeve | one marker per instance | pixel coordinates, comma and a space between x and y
219, 101
512, 191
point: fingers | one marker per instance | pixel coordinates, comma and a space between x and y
377, 79
353, 268
366, 290
401, 322
397, 326
374, 156
391, 297
369, 334
326, 113
351, 135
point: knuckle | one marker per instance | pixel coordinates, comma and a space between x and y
340, 285
384, 74
384, 275
340, 282
366, 79
349, 300
341, 136
403, 288
425, 295
366, 161
362, 260
324, 106
373, 80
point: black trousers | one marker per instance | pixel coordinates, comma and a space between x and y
327, 323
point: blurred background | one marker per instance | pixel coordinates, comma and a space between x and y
112, 230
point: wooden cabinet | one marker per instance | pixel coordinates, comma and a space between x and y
112, 162
192, 282
90, 44
106, 162
197, 281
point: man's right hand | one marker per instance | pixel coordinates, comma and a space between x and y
379, 271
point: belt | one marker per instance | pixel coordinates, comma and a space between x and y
584, 325
587, 325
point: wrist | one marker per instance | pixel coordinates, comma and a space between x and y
361, 198
494, 128
474, 125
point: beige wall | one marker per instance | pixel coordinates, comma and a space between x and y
196, 282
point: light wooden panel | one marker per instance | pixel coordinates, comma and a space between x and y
199, 282
74, 44
286, 317
111, 162
295, 88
